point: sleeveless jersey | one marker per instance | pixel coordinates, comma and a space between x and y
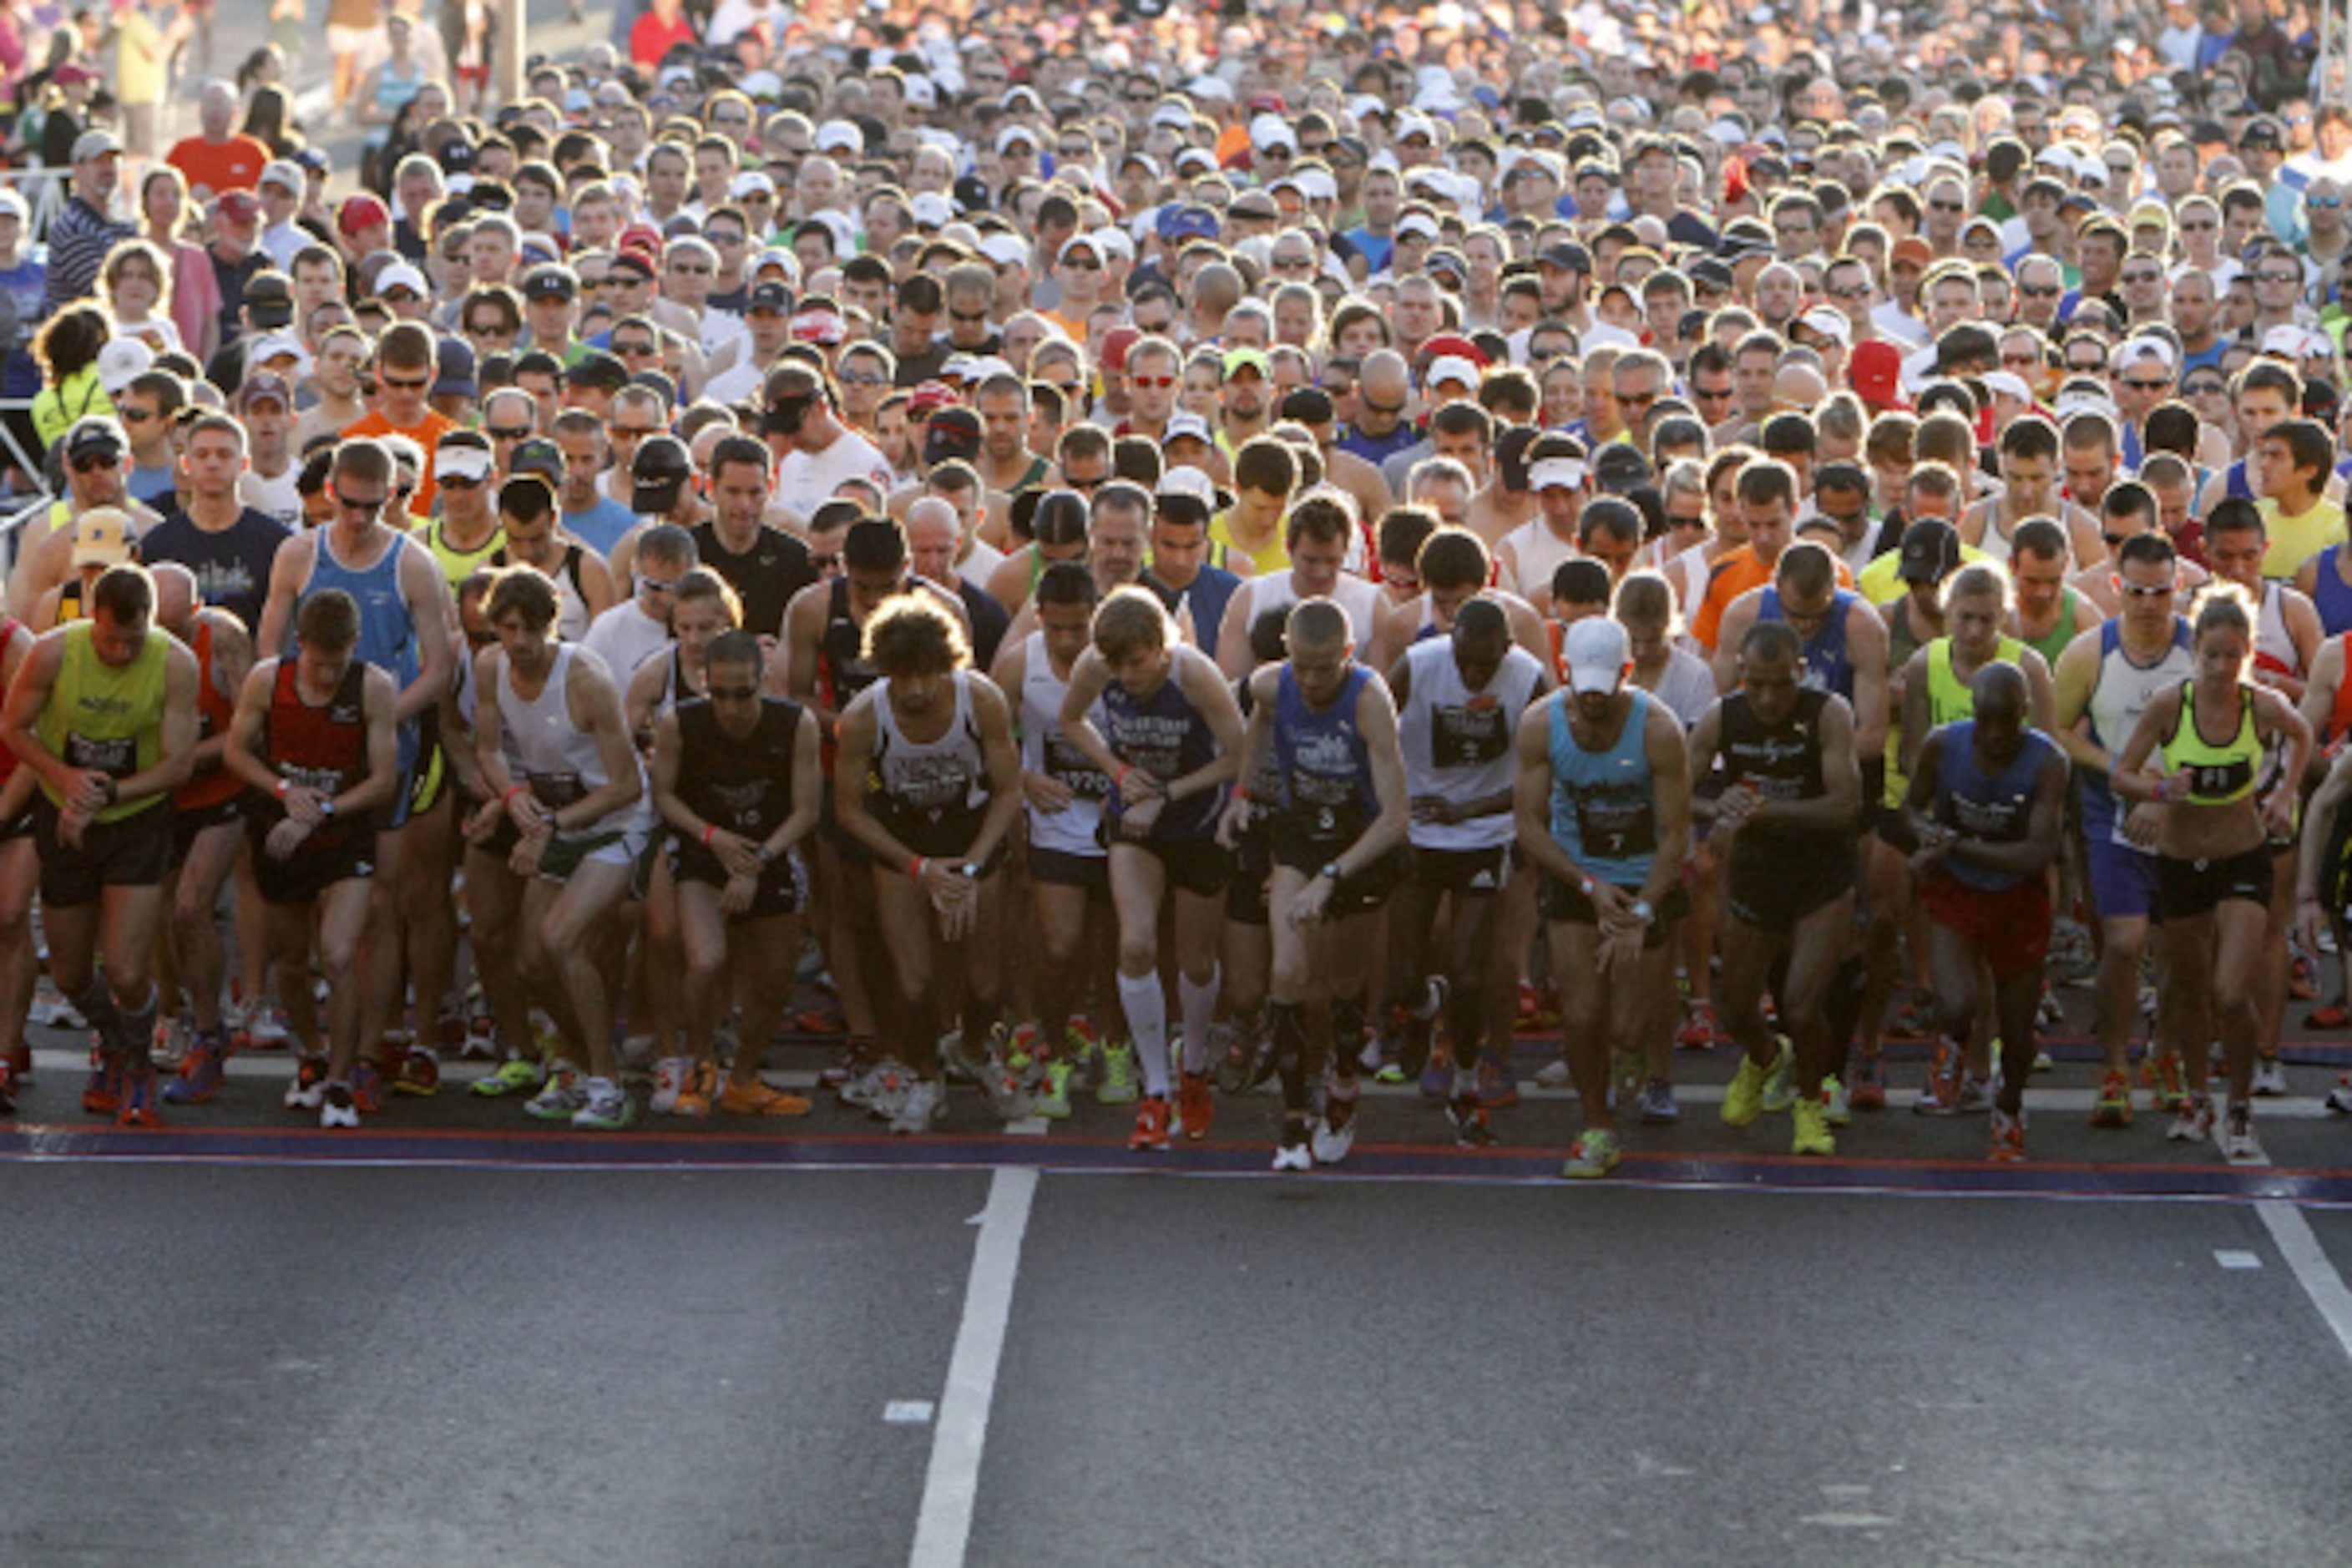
2274, 650
1949, 699
744, 784
459, 564
1603, 810
2219, 771
1783, 762
1167, 737
542, 748
204, 791
2330, 592
106, 718
2053, 643
2120, 694
1828, 667
1458, 743
1327, 770
571, 616
1044, 748
1358, 599
1998, 807
387, 630
929, 794
322, 748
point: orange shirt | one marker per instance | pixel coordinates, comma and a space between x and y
426, 433
1734, 574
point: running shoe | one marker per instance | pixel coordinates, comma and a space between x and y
1837, 1106
1743, 1101
2270, 1077
607, 1108
201, 1071
103, 1094
420, 1071
1779, 1090
2048, 1013
925, 1103
1810, 1118
1196, 1105
1023, 1056
1335, 1133
1471, 1127
2166, 1077
336, 1109
307, 1090
1940, 1095
367, 1086
1657, 1102
140, 1107
1008, 1097
562, 1098
2339, 1099
1700, 1032
2194, 1122
1372, 1060
2239, 1144
2043, 1062
2303, 980
1151, 1124
2008, 1138
670, 1074
50, 1010
2334, 1016
266, 1029
1052, 1100
20, 1065
1119, 1086
1437, 1071
2115, 1106
1976, 1097
1292, 1153
513, 1076
884, 1082
700, 1089
173, 1031
1869, 1082
1498, 1082
481, 1039
1230, 1044
1594, 1154
760, 1099
963, 1065
1553, 1074
857, 1060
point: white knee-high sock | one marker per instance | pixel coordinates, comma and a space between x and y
1200, 1003
1147, 1022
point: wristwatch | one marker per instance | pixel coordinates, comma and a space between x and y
1331, 870
969, 870
1588, 887
1643, 912
767, 855
327, 807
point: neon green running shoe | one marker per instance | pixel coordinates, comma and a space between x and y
1119, 1086
1743, 1102
1836, 1106
514, 1075
1780, 1082
1594, 1154
1052, 1097
1814, 1135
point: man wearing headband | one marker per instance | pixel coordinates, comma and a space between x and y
466, 534
1531, 552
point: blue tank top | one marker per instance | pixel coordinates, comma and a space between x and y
1327, 772
387, 633
1827, 664
1166, 736
2329, 592
1998, 807
1601, 802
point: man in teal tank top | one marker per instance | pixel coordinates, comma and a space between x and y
103, 711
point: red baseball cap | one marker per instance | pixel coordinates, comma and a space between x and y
360, 212
1111, 353
1875, 371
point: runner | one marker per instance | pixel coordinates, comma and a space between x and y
928, 783
1602, 805
1792, 794
20, 872
737, 776
313, 733
1988, 808
1337, 833
566, 787
1171, 742
2214, 869
103, 712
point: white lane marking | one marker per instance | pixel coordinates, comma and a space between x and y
908, 1412
1846, 1521
2237, 1259
2313, 1272
952, 1487
1027, 1127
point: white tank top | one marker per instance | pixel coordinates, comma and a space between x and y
1045, 750
1462, 743
929, 778
1539, 551
559, 761
1360, 601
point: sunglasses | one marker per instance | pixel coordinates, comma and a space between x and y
495, 432
2141, 384
731, 693
2040, 290
1160, 382
460, 482
88, 462
2141, 590
404, 383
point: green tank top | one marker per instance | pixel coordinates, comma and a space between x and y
2053, 643
108, 718
459, 564
1949, 699
2218, 775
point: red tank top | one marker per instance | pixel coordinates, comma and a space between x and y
213, 711
322, 748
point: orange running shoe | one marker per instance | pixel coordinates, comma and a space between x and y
1151, 1124
1196, 1105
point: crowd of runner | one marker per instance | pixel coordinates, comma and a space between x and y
1118, 557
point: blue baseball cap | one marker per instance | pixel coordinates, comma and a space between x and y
1191, 221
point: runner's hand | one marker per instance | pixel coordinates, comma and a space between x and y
1312, 902
735, 898
524, 861
1436, 809
286, 838
87, 792
481, 824
302, 802
1234, 823
2308, 923
2142, 824
1138, 820
1620, 950
1046, 793
70, 823
530, 814
2278, 813
738, 854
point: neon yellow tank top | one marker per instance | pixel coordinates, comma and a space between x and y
104, 718
2220, 774
1949, 699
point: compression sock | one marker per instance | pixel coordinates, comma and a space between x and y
1147, 1021
1198, 1001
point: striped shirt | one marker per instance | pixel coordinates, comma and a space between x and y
79, 236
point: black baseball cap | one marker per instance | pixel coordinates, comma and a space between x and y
597, 369
1931, 551
952, 433
538, 455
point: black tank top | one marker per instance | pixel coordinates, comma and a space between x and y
742, 785
1782, 762
842, 669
